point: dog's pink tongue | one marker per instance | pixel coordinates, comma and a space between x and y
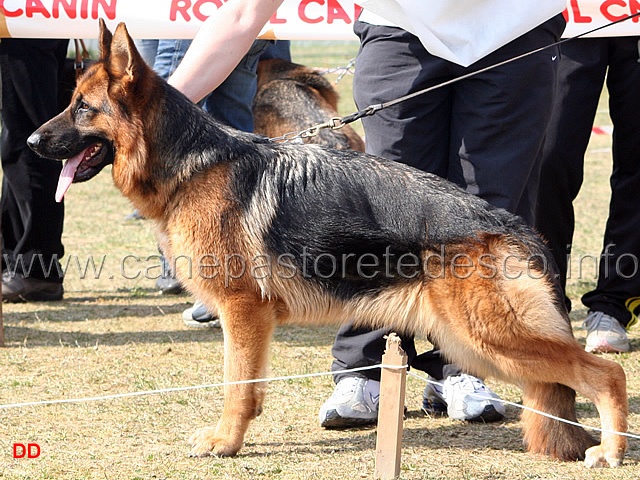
67, 174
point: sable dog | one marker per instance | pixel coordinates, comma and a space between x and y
302, 233
291, 97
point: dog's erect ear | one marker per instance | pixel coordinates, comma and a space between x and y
105, 40
123, 59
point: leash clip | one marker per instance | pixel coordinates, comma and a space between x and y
334, 123
312, 131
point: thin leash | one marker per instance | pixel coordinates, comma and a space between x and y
336, 123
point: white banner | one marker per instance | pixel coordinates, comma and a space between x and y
295, 19
586, 15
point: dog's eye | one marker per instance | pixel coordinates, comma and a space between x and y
83, 107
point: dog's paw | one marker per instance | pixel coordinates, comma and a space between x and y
205, 442
599, 457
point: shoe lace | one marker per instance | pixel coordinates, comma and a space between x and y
346, 386
470, 384
600, 321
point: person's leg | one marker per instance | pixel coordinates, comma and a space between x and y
391, 63
619, 276
406, 132
32, 221
231, 104
582, 69
386, 68
499, 120
279, 49
169, 54
362, 347
148, 49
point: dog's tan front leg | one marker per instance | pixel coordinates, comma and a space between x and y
247, 326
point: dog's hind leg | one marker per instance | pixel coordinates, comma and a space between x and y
551, 370
513, 329
248, 325
603, 382
548, 355
544, 435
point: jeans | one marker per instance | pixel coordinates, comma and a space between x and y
231, 102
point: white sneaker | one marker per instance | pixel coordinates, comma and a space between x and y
199, 317
605, 334
463, 397
354, 403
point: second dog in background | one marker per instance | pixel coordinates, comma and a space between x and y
293, 97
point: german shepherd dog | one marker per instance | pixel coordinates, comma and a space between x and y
291, 96
313, 235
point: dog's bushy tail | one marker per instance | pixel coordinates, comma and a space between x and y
543, 435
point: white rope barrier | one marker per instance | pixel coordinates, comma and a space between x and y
185, 389
523, 407
293, 377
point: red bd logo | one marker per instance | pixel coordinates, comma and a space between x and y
30, 450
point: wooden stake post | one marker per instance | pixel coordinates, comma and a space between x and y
391, 411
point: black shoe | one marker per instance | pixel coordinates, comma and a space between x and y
198, 316
20, 289
168, 284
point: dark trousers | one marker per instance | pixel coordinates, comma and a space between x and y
484, 133
32, 221
585, 66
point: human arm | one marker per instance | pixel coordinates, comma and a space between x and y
223, 39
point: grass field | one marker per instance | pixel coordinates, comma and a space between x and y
113, 333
